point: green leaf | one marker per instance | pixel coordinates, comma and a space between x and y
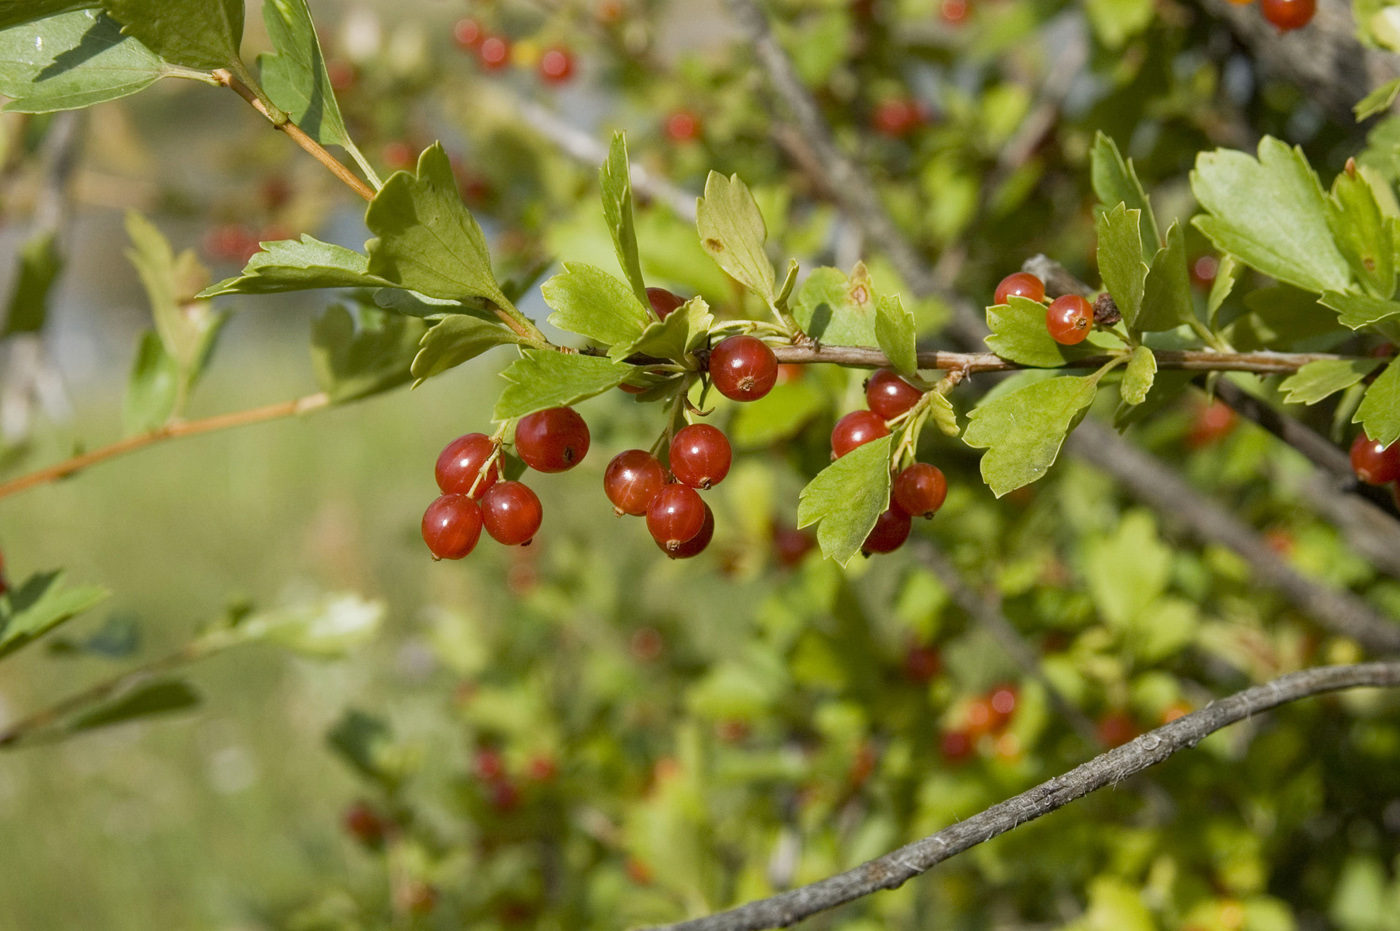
24, 11
1024, 430
1324, 378
1363, 233
941, 413
1019, 335
590, 302
1166, 295
732, 231
427, 239
616, 179
153, 389
846, 498
366, 743
328, 626
680, 334
300, 265
295, 75
1117, 21
894, 330
1137, 380
38, 605
1280, 317
544, 378
1270, 213
1120, 258
1378, 101
1116, 182
1224, 283
457, 339
353, 362
152, 698
1379, 412
838, 310
1359, 310
72, 61
39, 264
203, 34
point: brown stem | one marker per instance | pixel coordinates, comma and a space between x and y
170, 431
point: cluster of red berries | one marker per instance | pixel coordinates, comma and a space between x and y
1068, 318
678, 519
1285, 15
986, 715
468, 474
1375, 464
493, 51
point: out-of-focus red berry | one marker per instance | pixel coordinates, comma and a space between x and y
683, 126
1116, 728
1213, 423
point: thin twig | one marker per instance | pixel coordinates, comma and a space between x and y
899, 866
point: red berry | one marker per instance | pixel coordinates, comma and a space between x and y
663, 302
790, 545
1022, 284
889, 533
494, 53
511, 513
696, 544
451, 526
1116, 728
956, 745
897, 117
557, 65
1204, 270
489, 765
631, 480
889, 395
675, 516
364, 824
554, 440
542, 768
920, 489
1069, 319
700, 456
1003, 702
856, 429
460, 462
342, 74
922, 663
1373, 463
504, 796
1213, 422
683, 126
743, 368
953, 11
468, 33
1287, 15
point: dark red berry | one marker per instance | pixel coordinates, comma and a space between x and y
922, 663
663, 302
700, 456
920, 489
675, 516
1373, 463
554, 440
1116, 728
683, 126
790, 545
542, 767
511, 513
1069, 319
856, 429
889, 533
696, 544
460, 462
889, 395
956, 746
364, 824
494, 53
631, 480
1022, 284
451, 526
557, 65
743, 368
468, 33
897, 117
1287, 15
489, 764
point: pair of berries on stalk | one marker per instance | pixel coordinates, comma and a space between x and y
1068, 318
473, 497
678, 519
917, 491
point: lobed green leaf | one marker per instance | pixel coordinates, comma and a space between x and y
71, 61
1024, 430
1019, 335
355, 359
295, 75
1166, 294
1363, 233
680, 334
837, 309
299, 265
457, 339
1359, 310
894, 331
1379, 412
1324, 378
153, 388
544, 378
1138, 378
1120, 258
590, 302
1116, 182
616, 180
846, 498
202, 34
732, 231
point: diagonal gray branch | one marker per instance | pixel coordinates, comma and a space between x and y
899, 866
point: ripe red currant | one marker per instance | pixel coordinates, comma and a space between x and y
700, 456
1116, 728
696, 544
920, 489
889, 533
790, 545
631, 480
922, 662
1213, 422
468, 33
956, 745
1373, 463
683, 126
364, 824
675, 516
1023, 284
1069, 319
953, 11
1287, 15
889, 395
856, 429
743, 368
553, 440
557, 65
897, 117
490, 766
494, 53
511, 513
451, 526
460, 463
663, 302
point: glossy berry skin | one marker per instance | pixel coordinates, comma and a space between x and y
1373, 463
696, 544
553, 440
889, 533
460, 462
511, 513
1022, 284
557, 65
856, 429
1069, 319
920, 489
1287, 15
675, 516
494, 53
743, 368
631, 480
700, 456
889, 395
663, 302
451, 526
